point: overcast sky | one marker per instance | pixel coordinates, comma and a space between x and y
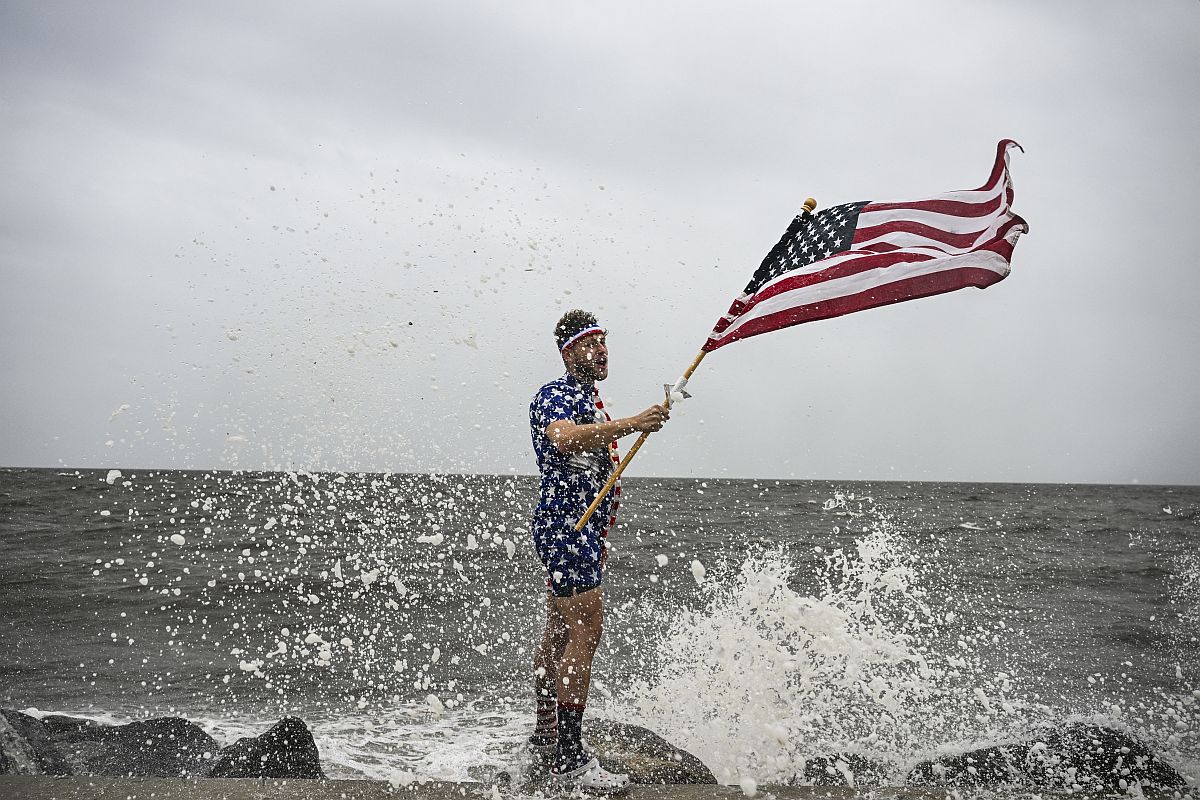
337, 236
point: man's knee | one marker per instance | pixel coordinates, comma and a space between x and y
589, 631
582, 614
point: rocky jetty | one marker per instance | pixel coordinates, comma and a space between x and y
1071, 758
167, 747
1075, 757
287, 750
644, 755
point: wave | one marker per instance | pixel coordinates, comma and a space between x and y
767, 679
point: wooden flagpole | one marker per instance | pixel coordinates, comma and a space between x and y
612, 479
809, 205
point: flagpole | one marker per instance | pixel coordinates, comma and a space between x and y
612, 479
809, 205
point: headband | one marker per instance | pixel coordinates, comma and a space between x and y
588, 331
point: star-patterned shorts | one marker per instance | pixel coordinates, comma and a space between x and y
572, 559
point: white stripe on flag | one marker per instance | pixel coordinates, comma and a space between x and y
865, 281
909, 241
972, 196
945, 222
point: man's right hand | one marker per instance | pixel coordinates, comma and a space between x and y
569, 437
652, 419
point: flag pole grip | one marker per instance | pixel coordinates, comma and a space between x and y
612, 479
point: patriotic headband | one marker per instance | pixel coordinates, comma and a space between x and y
588, 331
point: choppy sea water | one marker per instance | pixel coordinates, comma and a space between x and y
754, 623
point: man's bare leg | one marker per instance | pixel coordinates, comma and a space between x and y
583, 616
546, 659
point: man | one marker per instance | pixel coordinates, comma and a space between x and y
575, 442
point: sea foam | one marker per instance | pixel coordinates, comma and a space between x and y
768, 676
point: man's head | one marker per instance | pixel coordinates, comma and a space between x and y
581, 343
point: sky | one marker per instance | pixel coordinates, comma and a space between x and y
337, 236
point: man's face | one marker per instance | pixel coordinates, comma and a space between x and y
588, 358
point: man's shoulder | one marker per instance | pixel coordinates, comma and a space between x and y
561, 386
557, 399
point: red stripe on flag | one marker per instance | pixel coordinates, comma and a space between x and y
961, 208
895, 292
956, 240
851, 266
956, 208
1000, 167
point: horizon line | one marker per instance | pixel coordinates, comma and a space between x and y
448, 473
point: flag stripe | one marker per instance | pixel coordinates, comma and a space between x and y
864, 280
851, 276
914, 232
854, 263
870, 218
807, 293
913, 240
943, 204
910, 288
984, 200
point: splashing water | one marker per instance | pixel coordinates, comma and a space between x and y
768, 676
355, 589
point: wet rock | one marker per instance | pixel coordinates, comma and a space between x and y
28, 735
988, 766
843, 769
1073, 757
643, 754
286, 750
1091, 756
16, 754
168, 747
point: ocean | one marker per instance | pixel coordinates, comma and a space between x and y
754, 623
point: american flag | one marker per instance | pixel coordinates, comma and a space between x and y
862, 255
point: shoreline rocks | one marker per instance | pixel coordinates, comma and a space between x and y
644, 755
164, 747
287, 750
1074, 757
16, 753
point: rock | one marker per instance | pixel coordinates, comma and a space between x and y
843, 769
16, 754
287, 750
1072, 757
33, 735
643, 754
167, 747
1091, 756
988, 766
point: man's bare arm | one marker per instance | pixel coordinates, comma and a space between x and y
569, 437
